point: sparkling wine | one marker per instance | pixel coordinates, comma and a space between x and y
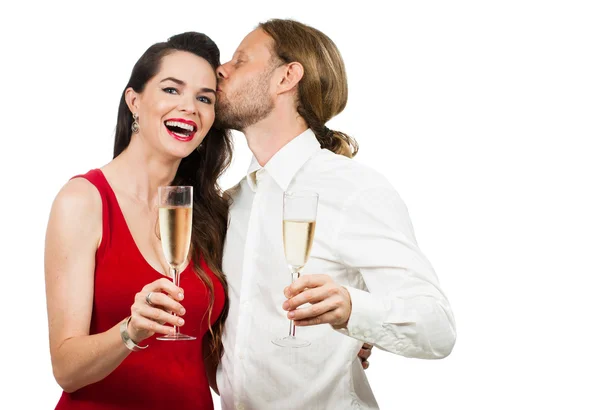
298, 238
175, 233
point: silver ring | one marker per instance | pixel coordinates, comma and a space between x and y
148, 301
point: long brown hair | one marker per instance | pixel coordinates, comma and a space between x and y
323, 90
201, 169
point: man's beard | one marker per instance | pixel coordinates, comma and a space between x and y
246, 106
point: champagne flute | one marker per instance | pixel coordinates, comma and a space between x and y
175, 220
299, 220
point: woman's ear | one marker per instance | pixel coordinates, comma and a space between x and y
131, 98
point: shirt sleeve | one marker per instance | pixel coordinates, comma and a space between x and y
402, 308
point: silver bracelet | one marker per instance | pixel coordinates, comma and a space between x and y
129, 343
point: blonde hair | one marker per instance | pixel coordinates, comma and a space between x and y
323, 90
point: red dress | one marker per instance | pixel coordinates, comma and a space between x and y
168, 374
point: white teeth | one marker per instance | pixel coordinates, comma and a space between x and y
180, 125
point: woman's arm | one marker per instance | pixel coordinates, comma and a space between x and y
73, 234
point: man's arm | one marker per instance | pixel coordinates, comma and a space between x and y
403, 309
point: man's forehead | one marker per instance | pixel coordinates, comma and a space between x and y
256, 42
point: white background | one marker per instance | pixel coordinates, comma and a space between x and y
484, 115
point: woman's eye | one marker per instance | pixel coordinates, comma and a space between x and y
170, 90
205, 100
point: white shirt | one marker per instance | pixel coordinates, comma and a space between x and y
363, 239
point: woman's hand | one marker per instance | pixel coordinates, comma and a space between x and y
364, 354
153, 308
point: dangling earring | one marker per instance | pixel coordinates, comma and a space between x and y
135, 127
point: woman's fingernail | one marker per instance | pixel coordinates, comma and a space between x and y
286, 305
180, 321
180, 296
182, 311
291, 315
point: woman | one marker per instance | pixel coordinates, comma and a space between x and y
107, 292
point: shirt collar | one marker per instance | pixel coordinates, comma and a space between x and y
251, 174
286, 162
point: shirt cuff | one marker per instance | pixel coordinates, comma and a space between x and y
367, 316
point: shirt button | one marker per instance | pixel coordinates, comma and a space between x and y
367, 333
239, 406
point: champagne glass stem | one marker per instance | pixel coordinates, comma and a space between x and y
175, 276
295, 275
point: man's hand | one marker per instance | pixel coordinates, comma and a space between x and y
330, 302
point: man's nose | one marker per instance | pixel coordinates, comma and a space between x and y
221, 72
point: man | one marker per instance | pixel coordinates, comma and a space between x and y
366, 279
